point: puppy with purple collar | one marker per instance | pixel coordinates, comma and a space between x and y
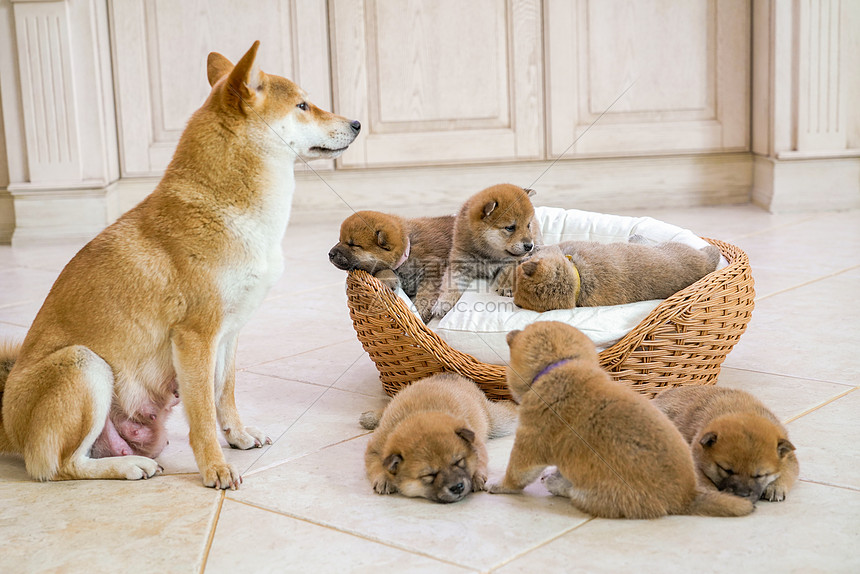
616, 455
407, 253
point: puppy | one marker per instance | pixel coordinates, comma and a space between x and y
738, 445
587, 274
430, 441
616, 455
408, 253
152, 307
494, 229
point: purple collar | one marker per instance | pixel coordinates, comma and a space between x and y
550, 367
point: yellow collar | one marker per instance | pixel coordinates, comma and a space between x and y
578, 279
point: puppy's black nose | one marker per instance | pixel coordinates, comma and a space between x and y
355, 125
457, 488
527, 247
332, 254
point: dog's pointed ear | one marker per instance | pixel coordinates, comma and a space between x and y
466, 434
490, 208
245, 82
529, 191
381, 238
392, 462
511, 336
217, 66
708, 439
783, 447
529, 267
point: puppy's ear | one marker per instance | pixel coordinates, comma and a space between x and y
529, 191
529, 267
466, 434
490, 208
245, 83
392, 463
708, 439
511, 336
783, 447
217, 66
381, 239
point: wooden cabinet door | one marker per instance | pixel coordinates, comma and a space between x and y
686, 64
445, 81
159, 58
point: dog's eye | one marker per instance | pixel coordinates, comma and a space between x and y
461, 463
429, 478
726, 470
511, 228
303, 106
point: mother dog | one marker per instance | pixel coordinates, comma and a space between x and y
150, 309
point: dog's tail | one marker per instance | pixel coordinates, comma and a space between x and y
8, 353
370, 419
503, 418
717, 503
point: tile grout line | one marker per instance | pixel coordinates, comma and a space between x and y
291, 356
211, 537
780, 226
830, 484
810, 282
793, 377
821, 405
541, 544
352, 533
299, 456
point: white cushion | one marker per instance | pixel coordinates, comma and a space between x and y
480, 320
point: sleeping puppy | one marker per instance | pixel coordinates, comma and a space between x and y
588, 274
430, 441
494, 230
616, 455
738, 444
407, 253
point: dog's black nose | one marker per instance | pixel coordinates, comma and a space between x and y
332, 254
527, 247
457, 488
356, 125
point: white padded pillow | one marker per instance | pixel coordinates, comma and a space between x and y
480, 321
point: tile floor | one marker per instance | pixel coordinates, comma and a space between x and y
306, 506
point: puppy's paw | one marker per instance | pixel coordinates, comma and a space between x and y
370, 419
775, 492
249, 437
479, 481
504, 291
555, 483
443, 305
222, 476
140, 467
499, 488
384, 486
389, 278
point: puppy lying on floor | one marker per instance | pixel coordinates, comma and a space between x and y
494, 229
588, 274
430, 441
616, 455
407, 253
738, 444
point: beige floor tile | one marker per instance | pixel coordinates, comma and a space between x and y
786, 397
798, 535
827, 442
156, 525
810, 332
330, 487
22, 285
248, 539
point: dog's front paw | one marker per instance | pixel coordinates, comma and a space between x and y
479, 482
504, 291
222, 476
384, 486
445, 303
249, 437
555, 483
499, 488
138, 467
775, 492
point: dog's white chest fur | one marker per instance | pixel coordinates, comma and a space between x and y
260, 261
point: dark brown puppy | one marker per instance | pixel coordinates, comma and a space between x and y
407, 253
738, 444
589, 274
494, 230
617, 456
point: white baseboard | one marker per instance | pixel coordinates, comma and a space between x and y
817, 184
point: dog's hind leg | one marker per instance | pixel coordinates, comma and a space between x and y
237, 435
68, 396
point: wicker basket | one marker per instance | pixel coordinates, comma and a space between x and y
683, 341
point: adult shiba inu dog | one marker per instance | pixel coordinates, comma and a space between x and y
431, 439
739, 446
150, 310
493, 231
407, 253
616, 455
